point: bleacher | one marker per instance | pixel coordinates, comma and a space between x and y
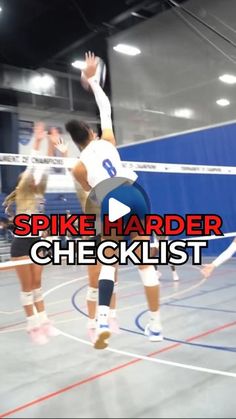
55, 203
60, 203
2, 213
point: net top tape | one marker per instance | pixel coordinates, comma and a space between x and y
57, 162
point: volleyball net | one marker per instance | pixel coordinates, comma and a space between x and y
160, 180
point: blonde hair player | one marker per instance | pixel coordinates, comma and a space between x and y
89, 172
28, 196
92, 291
223, 257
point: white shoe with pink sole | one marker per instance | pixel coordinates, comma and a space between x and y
37, 336
49, 330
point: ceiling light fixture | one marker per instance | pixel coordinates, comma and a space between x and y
183, 113
79, 64
47, 81
42, 83
223, 102
228, 78
127, 49
135, 14
154, 111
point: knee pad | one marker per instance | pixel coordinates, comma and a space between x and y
27, 298
38, 296
107, 272
149, 276
92, 294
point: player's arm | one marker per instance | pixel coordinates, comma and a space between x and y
31, 170
100, 97
222, 258
82, 195
55, 141
42, 179
80, 174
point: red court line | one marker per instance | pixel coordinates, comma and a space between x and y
110, 371
209, 332
9, 326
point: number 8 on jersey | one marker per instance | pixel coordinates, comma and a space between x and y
111, 170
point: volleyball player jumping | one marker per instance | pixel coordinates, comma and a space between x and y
99, 160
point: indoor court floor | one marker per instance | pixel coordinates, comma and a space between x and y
192, 373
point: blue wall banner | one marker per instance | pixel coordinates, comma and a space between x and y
183, 193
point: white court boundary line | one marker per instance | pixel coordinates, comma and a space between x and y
50, 291
148, 358
156, 360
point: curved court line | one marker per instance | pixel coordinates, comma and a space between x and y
80, 383
186, 342
137, 359
205, 346
157, 361
121, 309
63, 284
10, 328
176, 294
53, 302
138, 325
124, 269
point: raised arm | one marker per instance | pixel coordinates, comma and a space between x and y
31, 170
222, 258
101, 98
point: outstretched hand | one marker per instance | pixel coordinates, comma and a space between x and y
91, 65
62, 147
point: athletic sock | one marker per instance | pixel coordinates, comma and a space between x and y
43, 318
155, 320
92, 323
32, 322
103, 315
